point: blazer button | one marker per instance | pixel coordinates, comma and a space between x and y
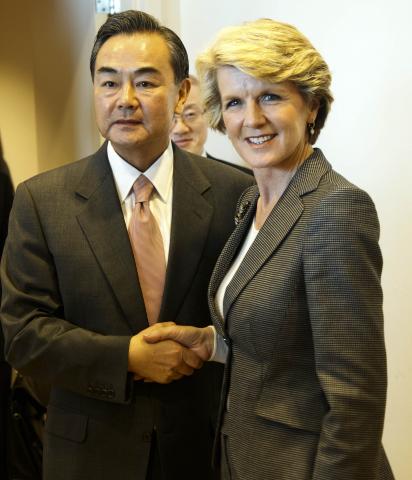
227, 341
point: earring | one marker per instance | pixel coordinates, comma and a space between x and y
311, 128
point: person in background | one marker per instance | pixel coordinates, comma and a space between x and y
190, 128
6, 200
295, 296
111, 246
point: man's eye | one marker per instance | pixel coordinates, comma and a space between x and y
144, 84
108, 83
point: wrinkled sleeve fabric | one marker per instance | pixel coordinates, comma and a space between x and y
342, 268
39, 342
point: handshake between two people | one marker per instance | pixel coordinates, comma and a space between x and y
165, 352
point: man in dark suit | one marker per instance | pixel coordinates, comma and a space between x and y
75, 307
190, 128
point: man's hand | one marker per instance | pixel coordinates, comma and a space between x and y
163, 361
199, 340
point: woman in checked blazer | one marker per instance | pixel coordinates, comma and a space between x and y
295, 296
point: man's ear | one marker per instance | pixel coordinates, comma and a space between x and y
184, 89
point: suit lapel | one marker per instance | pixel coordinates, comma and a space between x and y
103, 225
191, 218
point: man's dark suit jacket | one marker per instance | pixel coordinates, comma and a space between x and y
306, 376
6, 199
234, 165
72, 301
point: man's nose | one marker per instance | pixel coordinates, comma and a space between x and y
127, 98
179, 126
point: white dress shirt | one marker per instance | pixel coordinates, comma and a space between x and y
220, 349
160, 173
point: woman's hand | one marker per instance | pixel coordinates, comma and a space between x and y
199, 340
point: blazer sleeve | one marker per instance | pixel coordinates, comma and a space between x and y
342, 267
39, 342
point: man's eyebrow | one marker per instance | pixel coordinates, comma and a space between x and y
138, 71
106, 70
190, 105
144, 70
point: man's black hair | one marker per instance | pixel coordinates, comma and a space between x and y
134, 21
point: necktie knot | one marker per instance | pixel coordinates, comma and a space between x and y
142, 189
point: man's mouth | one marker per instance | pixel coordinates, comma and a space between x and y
260, 139
182, 141
127, 122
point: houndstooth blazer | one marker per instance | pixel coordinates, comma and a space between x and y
306, 373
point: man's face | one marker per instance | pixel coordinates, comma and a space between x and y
135, 96
189, 129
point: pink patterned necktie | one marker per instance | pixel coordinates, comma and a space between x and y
147, 245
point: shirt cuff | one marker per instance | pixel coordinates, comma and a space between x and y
220, 349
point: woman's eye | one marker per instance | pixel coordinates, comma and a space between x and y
232, 103
270, 97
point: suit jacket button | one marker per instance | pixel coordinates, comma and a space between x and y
227, 341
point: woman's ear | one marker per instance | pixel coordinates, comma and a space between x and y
313, 110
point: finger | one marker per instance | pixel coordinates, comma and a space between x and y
157, 326
171, 376
191, 359
163, 324
168, 332
183, 369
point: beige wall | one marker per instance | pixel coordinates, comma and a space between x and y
46, 114
17, 102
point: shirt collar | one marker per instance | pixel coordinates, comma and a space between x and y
160, 173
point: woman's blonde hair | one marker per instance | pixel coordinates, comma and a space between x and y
271, 51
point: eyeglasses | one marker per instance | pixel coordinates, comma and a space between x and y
189, 117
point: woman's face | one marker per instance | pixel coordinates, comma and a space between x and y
266, 122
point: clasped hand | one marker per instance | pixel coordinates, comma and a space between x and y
165, 352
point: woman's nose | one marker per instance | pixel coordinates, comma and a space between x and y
253, 115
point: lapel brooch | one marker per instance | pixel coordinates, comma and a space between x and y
241, 212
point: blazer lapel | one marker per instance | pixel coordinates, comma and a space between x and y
103, 225
246, 209
277, 226
280, 221
191, 218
